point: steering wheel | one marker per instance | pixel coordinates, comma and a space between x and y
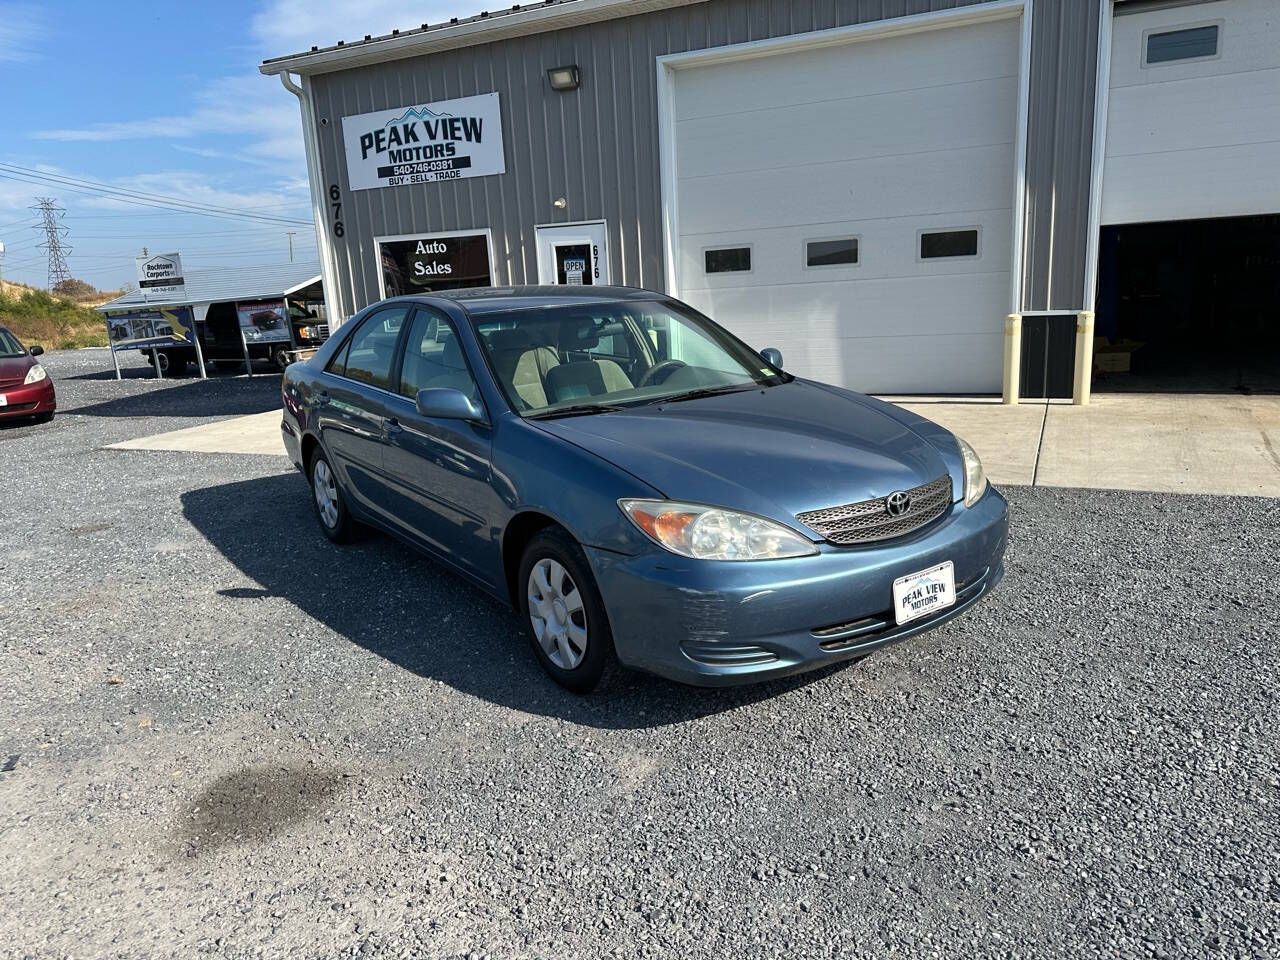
659, 372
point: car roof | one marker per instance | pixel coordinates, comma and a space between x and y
482, 300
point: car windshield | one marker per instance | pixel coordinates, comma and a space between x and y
602, 356
9, 345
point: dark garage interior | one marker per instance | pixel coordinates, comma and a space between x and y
1202, 297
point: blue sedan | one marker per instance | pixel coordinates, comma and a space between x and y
644, 488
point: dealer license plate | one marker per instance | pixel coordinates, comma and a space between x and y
920, 594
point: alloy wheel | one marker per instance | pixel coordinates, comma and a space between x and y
557, 614
326, 493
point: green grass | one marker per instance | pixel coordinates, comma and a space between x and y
55, 323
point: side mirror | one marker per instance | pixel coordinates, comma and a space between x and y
772, 356
445, 403
36, 350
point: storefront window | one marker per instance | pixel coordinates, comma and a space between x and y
426, 264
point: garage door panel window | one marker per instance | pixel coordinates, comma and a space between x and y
372, 349
952, 244
1186, 43
832, 252
727, 260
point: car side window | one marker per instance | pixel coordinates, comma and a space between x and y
433, 356
369, 355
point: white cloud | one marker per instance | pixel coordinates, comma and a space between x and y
290, 26
22, 28
254, 110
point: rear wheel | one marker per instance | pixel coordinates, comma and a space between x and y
564, 613
170, 363
326, 497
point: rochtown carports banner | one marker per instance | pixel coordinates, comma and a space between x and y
425, 143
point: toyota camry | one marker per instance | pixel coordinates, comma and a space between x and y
641, 486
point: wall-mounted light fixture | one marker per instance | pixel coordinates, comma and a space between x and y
565, 78
560, 203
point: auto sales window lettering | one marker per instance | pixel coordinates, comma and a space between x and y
431, 263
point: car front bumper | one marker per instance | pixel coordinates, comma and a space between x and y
30, 400
716, 623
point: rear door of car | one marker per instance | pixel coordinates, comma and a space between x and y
351, 406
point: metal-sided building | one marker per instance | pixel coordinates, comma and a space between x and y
902, 195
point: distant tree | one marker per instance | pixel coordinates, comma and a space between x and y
74, 289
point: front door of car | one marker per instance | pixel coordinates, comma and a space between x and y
440, 469
351, 406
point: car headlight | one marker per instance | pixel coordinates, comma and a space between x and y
35, 374
710, 533
307, 333
975, 478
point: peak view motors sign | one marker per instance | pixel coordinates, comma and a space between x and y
425, 143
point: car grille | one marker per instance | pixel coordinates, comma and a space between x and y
868, 521
8, 384
323, 331
16, 407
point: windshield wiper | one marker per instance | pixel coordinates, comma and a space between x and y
707, 392
576, 409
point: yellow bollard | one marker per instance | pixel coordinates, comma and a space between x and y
1012, 356
1084, 358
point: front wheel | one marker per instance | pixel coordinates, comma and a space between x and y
280, 357
326, 497
564, 613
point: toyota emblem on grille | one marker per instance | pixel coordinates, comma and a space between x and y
897, 503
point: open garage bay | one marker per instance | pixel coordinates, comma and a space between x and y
224, 736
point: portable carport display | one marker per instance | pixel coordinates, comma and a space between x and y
161, 324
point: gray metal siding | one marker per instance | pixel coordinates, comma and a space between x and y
598, 146
1064, 42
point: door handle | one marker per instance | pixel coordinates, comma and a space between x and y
393, 427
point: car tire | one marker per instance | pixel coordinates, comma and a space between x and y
46, 417
564, 614
280, 357
327, 500
170, 364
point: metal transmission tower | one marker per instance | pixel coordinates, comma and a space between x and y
54, 233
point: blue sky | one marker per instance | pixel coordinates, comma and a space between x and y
165, 99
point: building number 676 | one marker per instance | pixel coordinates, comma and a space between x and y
335, 196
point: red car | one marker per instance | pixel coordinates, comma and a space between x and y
25, 387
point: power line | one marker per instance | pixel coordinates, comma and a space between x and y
59, 272
179, 202
144, 200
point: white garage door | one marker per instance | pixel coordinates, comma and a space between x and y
1193, 124
897, 152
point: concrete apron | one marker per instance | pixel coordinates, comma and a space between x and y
1169, 443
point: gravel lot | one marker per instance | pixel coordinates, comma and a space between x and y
234, 739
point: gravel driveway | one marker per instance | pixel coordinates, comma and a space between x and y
231, 738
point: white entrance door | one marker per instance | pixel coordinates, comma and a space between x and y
573, 253
853, 204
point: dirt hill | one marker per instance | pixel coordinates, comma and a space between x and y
38, 316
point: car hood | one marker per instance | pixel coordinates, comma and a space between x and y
776, 451
15, 368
